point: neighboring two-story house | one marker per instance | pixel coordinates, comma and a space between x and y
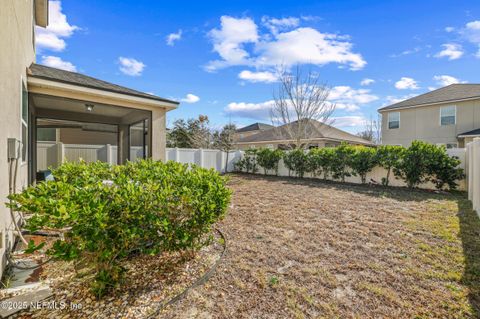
447, 116
32, 96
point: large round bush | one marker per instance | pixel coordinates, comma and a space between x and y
109, 212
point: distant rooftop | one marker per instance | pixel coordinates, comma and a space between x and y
49, 73
317, 130
255, 127
471, 133
450, 93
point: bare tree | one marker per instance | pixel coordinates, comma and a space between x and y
300, 107
372, 130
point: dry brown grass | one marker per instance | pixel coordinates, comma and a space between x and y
307, 249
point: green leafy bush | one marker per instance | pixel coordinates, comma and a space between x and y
269, 159
111, 211
320, 161
443, 169
363, 160
423, 162
342, 162
296, 161
388, 157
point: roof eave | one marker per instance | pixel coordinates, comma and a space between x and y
51, 87
41, 13
386, 108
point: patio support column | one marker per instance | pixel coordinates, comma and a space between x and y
123, 144
158, 134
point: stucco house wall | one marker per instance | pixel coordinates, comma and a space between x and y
423, 123
18, 51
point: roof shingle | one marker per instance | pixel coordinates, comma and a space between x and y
255, 127
450, 93
49, 73
317, 130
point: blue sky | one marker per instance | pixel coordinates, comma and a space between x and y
218, 57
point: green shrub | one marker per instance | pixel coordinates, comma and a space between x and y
269, 159
320, 160
443, 169
111, 211
363, 160
388, 157
342, 161
296, 161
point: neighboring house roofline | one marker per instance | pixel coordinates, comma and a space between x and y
254, 127
81, 80
472, 133
306, 140
428, 104
452, 93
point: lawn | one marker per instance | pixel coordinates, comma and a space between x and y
309, 249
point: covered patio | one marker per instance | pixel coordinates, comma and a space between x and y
73, 116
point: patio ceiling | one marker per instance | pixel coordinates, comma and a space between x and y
54, 107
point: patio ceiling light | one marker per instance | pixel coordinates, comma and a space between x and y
89, 107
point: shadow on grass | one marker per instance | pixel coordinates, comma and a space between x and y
470, 236
397, 193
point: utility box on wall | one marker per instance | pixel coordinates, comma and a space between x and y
14, 148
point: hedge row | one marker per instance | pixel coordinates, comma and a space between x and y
145, 207
421, 162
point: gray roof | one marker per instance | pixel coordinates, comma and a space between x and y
255, 127
450, 93
471, 133
316, 130
49, 73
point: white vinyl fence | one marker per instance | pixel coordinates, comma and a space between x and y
215, 159
51, 154
473, 173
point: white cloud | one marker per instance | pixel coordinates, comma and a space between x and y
130, 66
395, 99
256, 111
406, 83
275, 25
266, 76
172, 37
56, 62
449, 29
349, 99
472, 32
445, 80
348, 121
307, 46
344, 97
367, 81
302, 45
229, 40
53, 37
452, 51
190, 98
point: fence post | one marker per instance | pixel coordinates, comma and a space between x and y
108, 151
177, 155
476, 174
60, 153
200, 160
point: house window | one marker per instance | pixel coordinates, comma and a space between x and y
452, 145
448, 115
24, 122
393, 120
